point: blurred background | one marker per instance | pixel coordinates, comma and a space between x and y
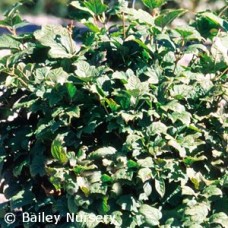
58, 7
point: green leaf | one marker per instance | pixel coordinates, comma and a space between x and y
131, 164
104, 207
190, 160
58, 151
106, 178
72, 207
212, 18
153, 3
96, 6
73, 112
151, 214
128, 202
22, 198
71, 89
90, 25
80, 168
58, 39
168, 16
18, 168
165, 41
102, 152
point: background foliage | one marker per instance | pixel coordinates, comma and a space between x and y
58, 7
120, 126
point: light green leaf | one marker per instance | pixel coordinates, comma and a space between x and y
196, 49
190, 160
123, 174
98, 188
147, 188
188, 191
102, 152
173, 105
140, 15
8, 42
152, 74
58, 39
58, 151
57, 75
184, 117
85, 71
212, 190
167, 17
181, 91
160, 186
219, 218
157, 128
133, 83
173, 143
145, 174
153, 3
219, 49
90, 25
151, 214
96, 6
146, 162
198, 212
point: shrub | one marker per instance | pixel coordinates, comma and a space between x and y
119, 126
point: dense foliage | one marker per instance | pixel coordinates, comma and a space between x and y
131, 123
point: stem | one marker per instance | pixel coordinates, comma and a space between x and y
223, 11
221, 74
70, 32
133, 4
123, 20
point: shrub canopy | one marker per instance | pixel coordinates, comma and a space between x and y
132, 122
